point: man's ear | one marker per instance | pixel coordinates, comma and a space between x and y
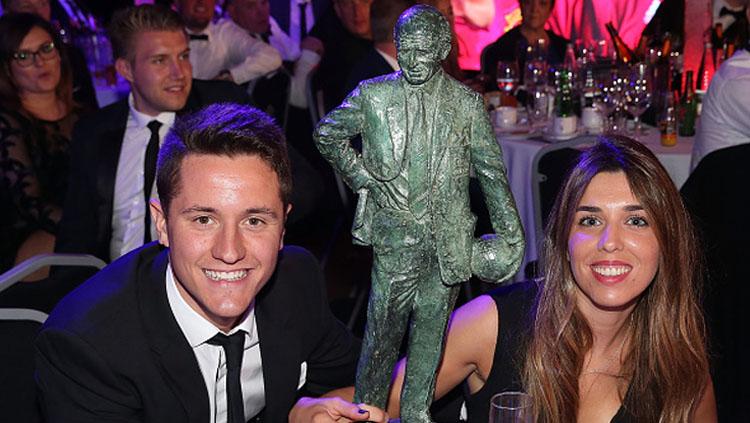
159, 216
124, 68
283, 231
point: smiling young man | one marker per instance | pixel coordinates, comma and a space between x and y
112, 169
219, 322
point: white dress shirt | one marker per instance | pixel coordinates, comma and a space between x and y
129, 206
725, 118
284, 44
212, 360
294, 17
231, 48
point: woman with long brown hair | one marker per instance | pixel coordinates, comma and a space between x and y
37, 114
614, 331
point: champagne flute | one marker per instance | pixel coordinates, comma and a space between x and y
638, 94
511, 407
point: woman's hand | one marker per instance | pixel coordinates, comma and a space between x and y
326, 410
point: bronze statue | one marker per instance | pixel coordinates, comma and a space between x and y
421, 133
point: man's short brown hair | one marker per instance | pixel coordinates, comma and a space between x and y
129, 22
223, 129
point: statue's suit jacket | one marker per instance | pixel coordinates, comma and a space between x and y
461, 138
112, 351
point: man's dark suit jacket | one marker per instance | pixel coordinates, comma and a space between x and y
112, 351
372, 65
86, 224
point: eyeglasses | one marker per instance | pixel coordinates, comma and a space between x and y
26, 58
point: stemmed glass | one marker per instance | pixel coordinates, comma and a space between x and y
507, 77
638, 94
608, 99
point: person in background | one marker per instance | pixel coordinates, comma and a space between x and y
223, 50
114, 149
37, 113
347, 37
218, 322
724, 118
614, 330
288, 14
299, 57
512, 46
83, 87
381, 58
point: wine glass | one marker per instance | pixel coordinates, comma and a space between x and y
507, 77
511, 407
638, 94
608, 99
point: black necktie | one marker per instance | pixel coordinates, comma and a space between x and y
149, 173
738, 14
202, 37
302, 20
233, 349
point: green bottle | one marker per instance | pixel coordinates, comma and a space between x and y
688, 108
564, 93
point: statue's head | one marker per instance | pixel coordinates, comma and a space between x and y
423, 40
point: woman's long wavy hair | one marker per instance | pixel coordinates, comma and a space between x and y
665, 364
14, 27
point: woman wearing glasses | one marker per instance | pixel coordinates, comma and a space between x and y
37, 114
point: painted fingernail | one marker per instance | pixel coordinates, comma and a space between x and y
361, 411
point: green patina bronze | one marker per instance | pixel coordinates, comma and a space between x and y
422, 132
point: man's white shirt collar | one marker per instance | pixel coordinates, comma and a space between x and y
141, 119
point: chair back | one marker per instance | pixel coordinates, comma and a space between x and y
716, 194
549, 169
18, 329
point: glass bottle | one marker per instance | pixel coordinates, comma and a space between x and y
624, 53
668, 121
688, 108
706, 69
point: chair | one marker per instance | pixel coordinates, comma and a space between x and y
18, 328
549, 169
716, 196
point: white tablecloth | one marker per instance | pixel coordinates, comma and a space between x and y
519, 155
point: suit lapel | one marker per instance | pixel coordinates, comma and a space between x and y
442, 118
279, 350
171, 349
398, 123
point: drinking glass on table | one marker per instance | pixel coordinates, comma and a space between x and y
537, 106
638, 94
511, 407
507, 77
608, 99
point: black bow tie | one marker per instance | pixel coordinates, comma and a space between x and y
737, 14
202, 37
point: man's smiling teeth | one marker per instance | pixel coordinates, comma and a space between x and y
225, 276
611, 270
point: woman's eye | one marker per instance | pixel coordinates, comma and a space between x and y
588, 221
637, 221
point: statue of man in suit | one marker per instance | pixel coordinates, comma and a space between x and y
421, 133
